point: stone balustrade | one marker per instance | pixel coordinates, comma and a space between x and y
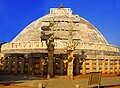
102, 57
58, 45
106, 64
21, 65
91, 46
24, 45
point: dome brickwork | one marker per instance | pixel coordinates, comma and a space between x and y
82, 29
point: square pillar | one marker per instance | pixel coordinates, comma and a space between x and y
108, 67
50, 63
42, 62
97, 65
113, 62
31, 66
84, 68
118, 67
10, 64
91, 65
16, 65
61, 66
77, 64
103, 66
23, 65
5, 64
70, 64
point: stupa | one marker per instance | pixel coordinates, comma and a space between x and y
86, 37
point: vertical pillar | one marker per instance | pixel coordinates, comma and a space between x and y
77, 66
91, 65
108, 67
10, 64
30, 66
23, 65
103, 66
70, 64
97, 65
54, 67
1, 63
16, 64
42, 70
29, 61
84, 68
118, 67
50, 63
113, 67
61, 66
4, 64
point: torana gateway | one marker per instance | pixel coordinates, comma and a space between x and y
60, 43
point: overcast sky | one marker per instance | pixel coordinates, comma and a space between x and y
15, 15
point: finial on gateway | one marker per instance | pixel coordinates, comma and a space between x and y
61, 6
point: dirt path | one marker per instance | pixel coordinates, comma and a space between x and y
19, 81
14, 87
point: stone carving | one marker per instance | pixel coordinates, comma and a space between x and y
49, 38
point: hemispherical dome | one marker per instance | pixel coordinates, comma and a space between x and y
68, 29
61, 17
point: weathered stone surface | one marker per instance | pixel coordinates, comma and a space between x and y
86, 31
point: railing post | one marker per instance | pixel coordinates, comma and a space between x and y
50, 63
16, 64
97, 65
61, 66
118, 67
77, 66
10, 64
41, 69
23, 65
103, 66
84, 68
30, 66
108, 67
91, 65
1, 63
113, 67
4, 64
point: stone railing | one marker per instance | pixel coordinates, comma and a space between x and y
24, 45
61, 18
105, 64
102, 57
91, 46
58, 45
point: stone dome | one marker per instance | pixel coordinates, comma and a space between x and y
60, 21
81, 28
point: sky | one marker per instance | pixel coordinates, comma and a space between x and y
15, 15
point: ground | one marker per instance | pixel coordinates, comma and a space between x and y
1, 86
19, 81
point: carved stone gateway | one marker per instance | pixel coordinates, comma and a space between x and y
49, 38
